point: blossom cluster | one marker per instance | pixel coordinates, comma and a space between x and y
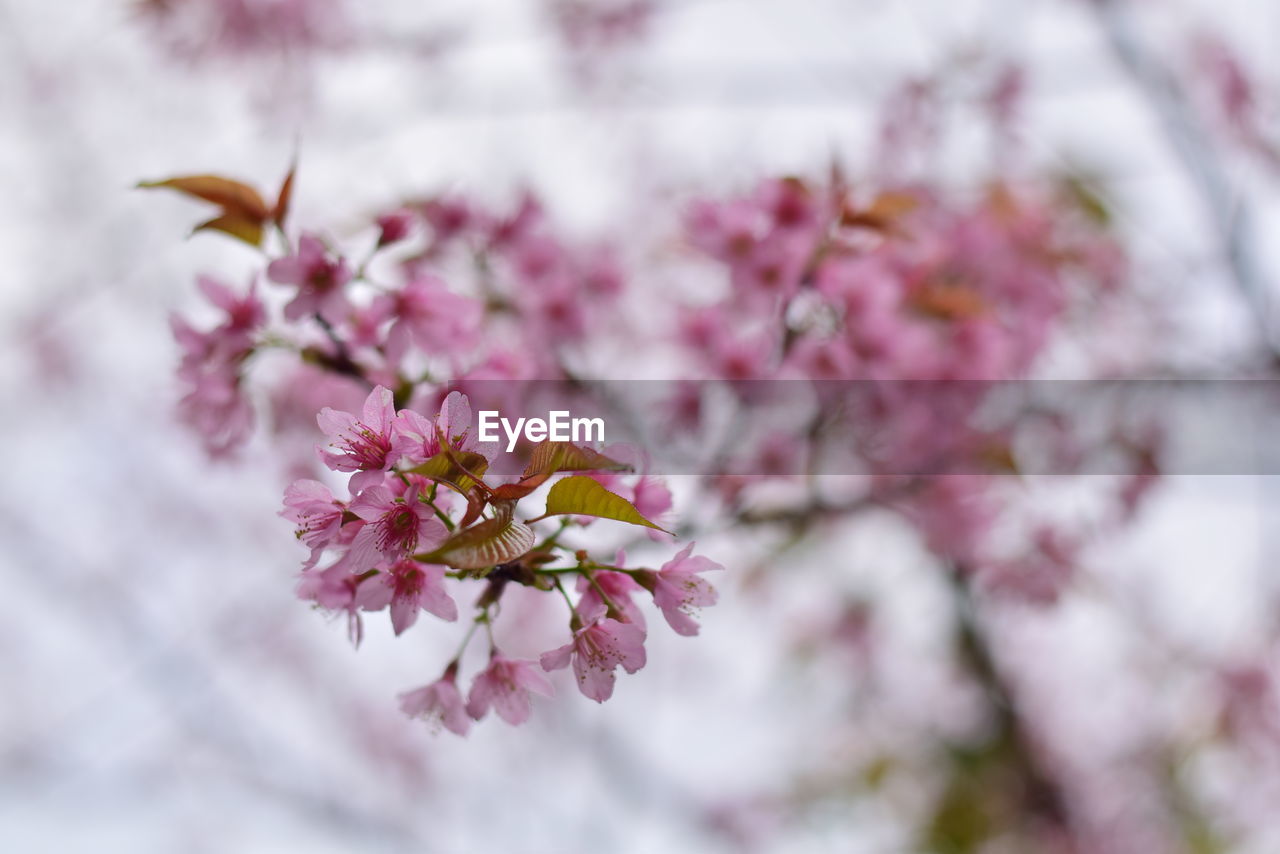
398, 538
919, 309
821, 283
418, 522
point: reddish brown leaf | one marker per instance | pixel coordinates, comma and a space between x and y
518, 490
243, 215
281, 211
488, 543
239, 227
550, 457
231, 196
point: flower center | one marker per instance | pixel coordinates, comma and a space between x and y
367, 448
398, 531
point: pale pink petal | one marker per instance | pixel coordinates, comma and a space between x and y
363, 480
435, 600
529, 678
404, 613
372, 502
557, 658
333, 423
379, 410
594, 681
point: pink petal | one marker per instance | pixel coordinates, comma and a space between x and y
379, 410
287, 271
630, 645
481, 696
335, 423
362, 480
434, 598
681, 622
373, 502
595, 683
530, 679
404, 613
514, 707
557, 658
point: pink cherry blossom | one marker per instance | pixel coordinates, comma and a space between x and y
448, 216
317, 514
362, 445
215, 405
652, 498
217, 410
320, 281
395, 528
433, 318
439, 703
335, 589
677, 589
617, 586
505, 685
417, 587
244, 314
394, 227
416, 437
597, 650
199, 29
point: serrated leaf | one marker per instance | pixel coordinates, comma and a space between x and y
584, 496
498, 540
519, 489
551, 457
451, 469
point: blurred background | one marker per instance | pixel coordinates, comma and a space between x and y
164, 689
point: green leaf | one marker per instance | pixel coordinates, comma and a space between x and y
584, 496
550, 457
498, 540
452, 469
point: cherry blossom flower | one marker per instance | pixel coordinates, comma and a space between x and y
677, 589
335, 589
448, 217
417, 438
217, 410
320, 281
198, 29
439, 703
617, 586
430, 316
244, 314
363, 445
653, 499
317, 514
395, 528
505, 685
417, 587
597, 650
394, 227
215, 405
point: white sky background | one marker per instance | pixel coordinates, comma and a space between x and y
164, 691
